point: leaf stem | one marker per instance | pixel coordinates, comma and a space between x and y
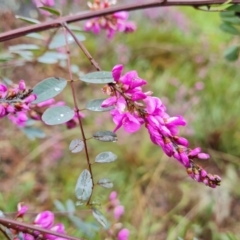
77, 110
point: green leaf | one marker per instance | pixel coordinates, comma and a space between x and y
57, 115
83, 189
227, 14
105, 157
95, 105
60, 206
49, 88
70, 206
100, 77
23, 47
86, 228
52, 57
28, 20
36, 36
105, 182
32, 132
59, 40
5, 57
100, 218
234, 19
105, 136
232, 53
51, 10
76, 145
234, 8
226, 27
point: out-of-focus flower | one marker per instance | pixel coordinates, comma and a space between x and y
123, 234
22, 209
112, 23
44, 219
118, 211
42, 3
59, 228
133, 107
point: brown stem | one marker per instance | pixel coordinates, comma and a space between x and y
28, 228
85, 51
77, 110
91, 14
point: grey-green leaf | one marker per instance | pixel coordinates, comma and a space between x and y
59, 40
95, 105
101, 77
51, 57
105, 182
100, 218
28, 20
33, 132
70, 206
226, 27
51, 10
105, 136
105, 157
49, 88
76, 146
57, 115
60, 206
232, 53
20, 47
83, 189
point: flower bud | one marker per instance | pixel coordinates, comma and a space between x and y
22, 85
21, 209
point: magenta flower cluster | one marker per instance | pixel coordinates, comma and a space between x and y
112, 23
118, 211
133, 108
15, 102
43, 220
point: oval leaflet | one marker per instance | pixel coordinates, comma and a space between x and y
83, 189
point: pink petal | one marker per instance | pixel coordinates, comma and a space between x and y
116, 72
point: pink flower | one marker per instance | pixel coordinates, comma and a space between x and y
113, 196
59, 228
123, 234
22, 209
129, 122
28, 237
130, 114
44, 219
22, 85
118, 212
117, 71
112, 23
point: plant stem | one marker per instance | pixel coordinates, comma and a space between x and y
28, 228
91, 14
82, 47
77, 110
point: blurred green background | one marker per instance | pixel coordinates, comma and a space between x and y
179, 51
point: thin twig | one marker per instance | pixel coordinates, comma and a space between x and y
28, 228
77, 110
91, 14
82, 47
